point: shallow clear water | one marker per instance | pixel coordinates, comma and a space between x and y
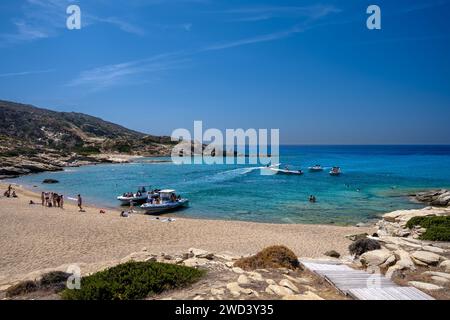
375, 179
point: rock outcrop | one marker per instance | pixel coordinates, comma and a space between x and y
223, 279
425, 263
438, 198
34, 140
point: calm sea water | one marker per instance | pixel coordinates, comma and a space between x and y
375, 180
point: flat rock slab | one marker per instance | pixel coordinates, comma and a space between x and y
424, 285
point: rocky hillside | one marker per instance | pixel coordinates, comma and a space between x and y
34, 140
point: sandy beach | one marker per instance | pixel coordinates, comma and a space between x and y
33, 237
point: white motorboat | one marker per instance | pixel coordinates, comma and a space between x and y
167, 201
139, 197
335, 171
286, 171
316, 168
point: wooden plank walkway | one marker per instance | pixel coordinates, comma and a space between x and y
362, 285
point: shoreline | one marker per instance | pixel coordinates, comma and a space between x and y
33, 237
34, 189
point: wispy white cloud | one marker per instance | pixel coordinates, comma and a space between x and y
181, 26
119, 23
42, 19
261, 38
118, 74
258, 13
24, 73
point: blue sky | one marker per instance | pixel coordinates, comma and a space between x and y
310, 68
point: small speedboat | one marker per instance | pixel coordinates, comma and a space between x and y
167, 201
139, 197
287, 171
316, 168
335, 171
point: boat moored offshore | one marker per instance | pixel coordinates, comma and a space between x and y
335, 171
316, 168
286, 171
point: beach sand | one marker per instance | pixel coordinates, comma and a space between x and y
33, 237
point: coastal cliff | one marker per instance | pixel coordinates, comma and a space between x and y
34, 140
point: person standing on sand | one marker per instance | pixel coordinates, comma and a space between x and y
61, 202
43, 198
55, 199
46, 199
80, 203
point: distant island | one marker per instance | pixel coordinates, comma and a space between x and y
36, 140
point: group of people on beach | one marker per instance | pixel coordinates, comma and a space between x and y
55, 200
10, 192
52, 199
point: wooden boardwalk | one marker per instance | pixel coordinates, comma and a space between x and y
362, 285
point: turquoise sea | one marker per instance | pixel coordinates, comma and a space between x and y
375, 180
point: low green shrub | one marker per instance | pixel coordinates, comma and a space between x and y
436, 233
133, 280
426, 222
437, 227
363, 245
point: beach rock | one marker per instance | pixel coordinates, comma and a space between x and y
243, 279
187, 255
288, 284
308, 295
255, 276
195, 262
433, 249
440, 280
354, 237
217, 292
424, 285
442, 200
332, 253
389, 262
402, 216
234, 289
391, 246
279, 290
445, 265
404, 260
198, 252
237, 270
438, 274
50, 181
429, 196
268, 290
227, 256
375, 257
270, 281
425, 257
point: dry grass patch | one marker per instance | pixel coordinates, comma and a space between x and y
273, 257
